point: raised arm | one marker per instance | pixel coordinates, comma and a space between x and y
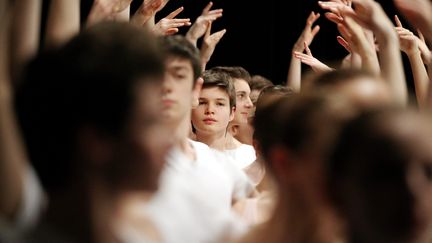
409, 45
63, 22
307, 36
308, 59
26, 21
169, 25
209, 44
12, 156
370, 15
199, 27
359, 44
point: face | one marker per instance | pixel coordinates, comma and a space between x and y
243, 102
147, 140
178, 94
213, 112
398, 186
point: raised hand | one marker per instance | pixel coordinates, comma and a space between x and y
209, 44
146, 11
198, 29
408, 41
308, 33
426, 54
335, 6
106, 9
418, 13
169, 25
308, 59
355, 39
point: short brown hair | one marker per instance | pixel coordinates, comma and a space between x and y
235, 72
259, 82
221, 80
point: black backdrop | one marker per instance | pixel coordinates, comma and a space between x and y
260, 33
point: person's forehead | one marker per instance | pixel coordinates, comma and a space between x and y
241, 85
214, 93
178, 63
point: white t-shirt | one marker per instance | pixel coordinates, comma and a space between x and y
243, 156
193, 203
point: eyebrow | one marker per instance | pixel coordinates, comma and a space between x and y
241, 92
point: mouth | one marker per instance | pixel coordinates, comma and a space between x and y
167, 102
209, 121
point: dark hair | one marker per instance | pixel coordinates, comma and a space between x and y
179, 46
88, 82
271, 93
234, 72
259, 82
221, 80
368, 167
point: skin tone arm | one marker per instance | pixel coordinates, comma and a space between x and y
25, 34
370, 15
409, 45
200, 26
63, 22
307, 36
106, 9
308, 59
144, 16
358, 43
169, 25
12, 156
418, 13
209, 44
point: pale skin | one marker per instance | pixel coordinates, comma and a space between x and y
13, 158
307, 36
409, 45
25, 34
370, 15
170, 24
209, 44
63, 22
308, 59
200, 26
355, 37
211, 119
107, 10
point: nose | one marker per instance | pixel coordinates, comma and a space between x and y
209, 109
248, 103
167, 84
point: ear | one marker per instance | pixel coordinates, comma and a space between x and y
96, 149
231, 117
196, 92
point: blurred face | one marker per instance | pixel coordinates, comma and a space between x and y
254, 95
141, 152
178, 93
213, 112
243, 102
392, 197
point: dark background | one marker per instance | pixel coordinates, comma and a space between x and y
261, 33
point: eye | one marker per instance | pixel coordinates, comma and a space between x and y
201, 102
220, 104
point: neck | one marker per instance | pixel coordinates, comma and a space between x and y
182, 136
213, 140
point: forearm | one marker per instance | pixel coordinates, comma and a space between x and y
370, 63
420, 76
294, 71
25, 34
63, 22
391, 65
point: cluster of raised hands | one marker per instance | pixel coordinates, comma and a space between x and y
373, 43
